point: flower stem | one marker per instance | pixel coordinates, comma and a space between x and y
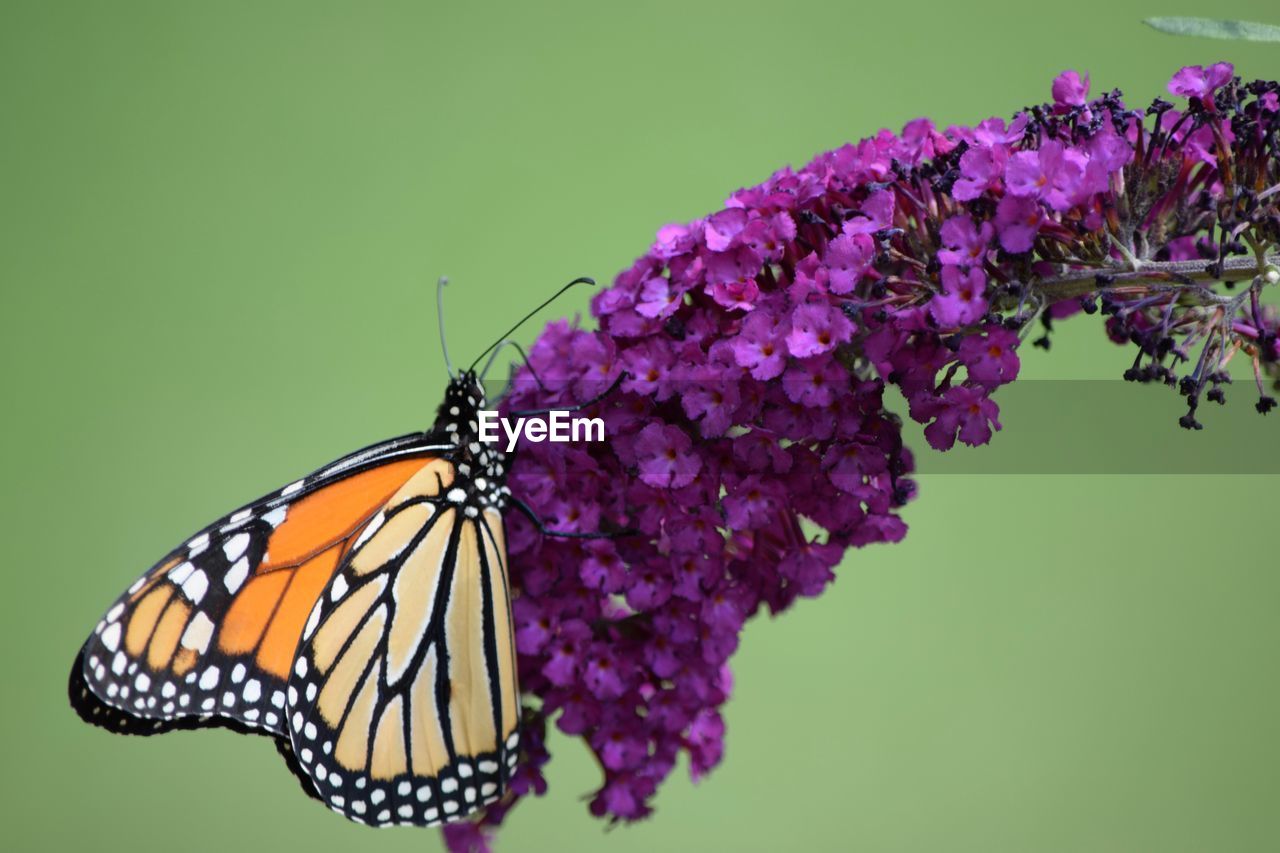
1075, 283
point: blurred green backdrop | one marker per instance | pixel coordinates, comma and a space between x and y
220, 225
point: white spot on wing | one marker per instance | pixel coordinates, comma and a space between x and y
198, 633
111, 636
196, 586
236, 546
369, 529
235, 575
178, 574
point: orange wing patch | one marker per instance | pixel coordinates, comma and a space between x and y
247, 619
308, 581
164, 640
142, 622
331, 515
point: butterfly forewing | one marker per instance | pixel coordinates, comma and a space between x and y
210, 632
402, 703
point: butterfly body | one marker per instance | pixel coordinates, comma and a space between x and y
360, 616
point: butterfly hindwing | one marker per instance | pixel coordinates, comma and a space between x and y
402, 703
208, 635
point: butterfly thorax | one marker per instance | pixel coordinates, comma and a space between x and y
481, 481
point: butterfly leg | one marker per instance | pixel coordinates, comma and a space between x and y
577, 407
528, 512
523, 357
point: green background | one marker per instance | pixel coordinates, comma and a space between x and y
220, 224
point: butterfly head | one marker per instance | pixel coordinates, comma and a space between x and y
459, 413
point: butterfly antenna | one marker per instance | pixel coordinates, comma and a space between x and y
525, 318
524, 356
444, 345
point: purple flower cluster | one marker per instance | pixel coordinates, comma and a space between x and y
741, 365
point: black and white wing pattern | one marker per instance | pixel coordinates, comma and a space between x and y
402, 704
208, 635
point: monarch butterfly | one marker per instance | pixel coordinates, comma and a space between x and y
360, 615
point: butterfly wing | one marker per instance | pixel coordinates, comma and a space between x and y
403, 701
208, 635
